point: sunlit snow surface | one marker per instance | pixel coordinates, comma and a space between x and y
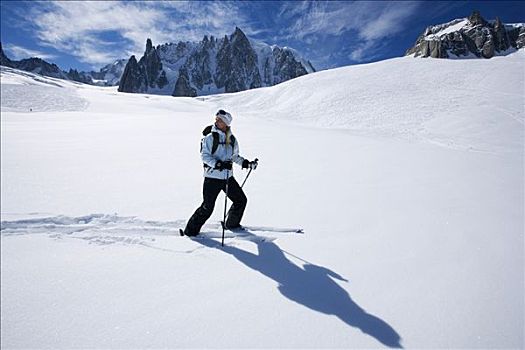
406, 176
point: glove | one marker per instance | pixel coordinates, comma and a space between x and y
250, 165
220, 165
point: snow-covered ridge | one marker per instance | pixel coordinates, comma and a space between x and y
439, 101
108, 75
515, 25
29, 92
386, 98
443, 29
439, 31
469, 37
12, 76
264, 52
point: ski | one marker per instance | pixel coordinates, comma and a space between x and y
250, 233
243, 235
274, 229
269, 229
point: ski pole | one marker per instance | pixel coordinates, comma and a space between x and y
225, 205
246, 178
249, 172
226, 198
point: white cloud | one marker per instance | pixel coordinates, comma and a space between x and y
358, 54
97, 32
372, 21
196, 19
389, 21
18, 52
77, 27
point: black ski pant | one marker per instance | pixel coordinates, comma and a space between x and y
210, 191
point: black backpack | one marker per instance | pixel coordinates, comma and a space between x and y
216, 142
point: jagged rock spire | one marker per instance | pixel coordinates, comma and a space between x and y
133, 79
4, 60
149, 46
152, 65
476, 20
227, 64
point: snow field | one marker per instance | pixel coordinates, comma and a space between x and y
416, 237
454, 103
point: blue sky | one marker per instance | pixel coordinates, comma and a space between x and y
90, 34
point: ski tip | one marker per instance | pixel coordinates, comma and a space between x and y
181, 232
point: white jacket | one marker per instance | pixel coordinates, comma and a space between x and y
223, 153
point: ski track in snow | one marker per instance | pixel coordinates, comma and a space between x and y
107, 229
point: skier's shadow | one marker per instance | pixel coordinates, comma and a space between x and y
311, 286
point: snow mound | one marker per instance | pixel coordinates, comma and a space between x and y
444, 102
28, 92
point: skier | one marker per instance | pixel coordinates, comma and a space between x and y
219, 149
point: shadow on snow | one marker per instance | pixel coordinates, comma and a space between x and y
311, 286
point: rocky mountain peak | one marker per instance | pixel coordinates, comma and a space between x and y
149, 46
238, 34
213, 65
476, 20
152, 66
472, 36
4, 61
133, 60
208, 43
498, 24
133, 78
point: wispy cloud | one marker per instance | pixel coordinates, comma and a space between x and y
371, 21
18, 52
309, 18
78, 27
83, 28
389, 21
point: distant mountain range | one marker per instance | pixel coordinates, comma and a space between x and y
469, 37
109, 75
230, 64
236, 63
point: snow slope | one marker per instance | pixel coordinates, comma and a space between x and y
406, 175
448, 103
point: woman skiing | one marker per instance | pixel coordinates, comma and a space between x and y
219, 150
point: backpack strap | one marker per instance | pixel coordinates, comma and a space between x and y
215, 144
207, 130
216, 141
205, 133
